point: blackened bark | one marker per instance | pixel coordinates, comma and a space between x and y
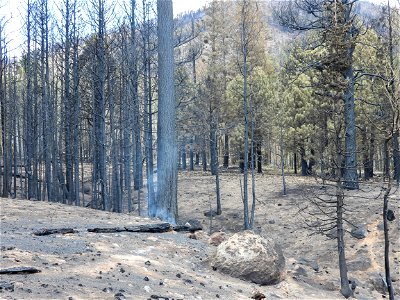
386, 159
396, 157
138, 167
148, 119
191, 156
226, 151
183, 155
304, 165
295, 162
259, 158
213, 148
387, 242
344, 281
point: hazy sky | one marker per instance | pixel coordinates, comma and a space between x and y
11, 10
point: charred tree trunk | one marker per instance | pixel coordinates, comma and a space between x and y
226, 151
166, 202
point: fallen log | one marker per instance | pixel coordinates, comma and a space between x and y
20, 270
189, 228
46, 231
152, 228
106, 229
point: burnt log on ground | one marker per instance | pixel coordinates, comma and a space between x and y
189, 228
20, 270
46, 231
106, 229
150, 228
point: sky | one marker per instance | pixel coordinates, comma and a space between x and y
14, 11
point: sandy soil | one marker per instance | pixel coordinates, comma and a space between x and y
138, 265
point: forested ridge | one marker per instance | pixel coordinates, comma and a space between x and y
110, 103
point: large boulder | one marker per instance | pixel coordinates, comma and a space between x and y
250, 257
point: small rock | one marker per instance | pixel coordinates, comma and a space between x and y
310, 263
119, 296
122, 270
360, 264
210, 214
359, 233
332, 234
271, 222
300, 272
178, 275
6, 286
390, 215
146, 278
258, 296
378, 283
217, 238
194, 223
147, 263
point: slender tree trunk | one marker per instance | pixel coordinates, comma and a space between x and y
386, 159
282, 163
29, 138
387, 241
68, 107
396, 156
204, 155
76, 107
213, 148
304, 165
191, 156
183, 155
148, 120
246, 123
344, 281
99, 180
226, 151
138, 167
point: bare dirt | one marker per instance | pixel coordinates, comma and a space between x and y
127, 265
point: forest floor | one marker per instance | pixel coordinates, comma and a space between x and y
127, 265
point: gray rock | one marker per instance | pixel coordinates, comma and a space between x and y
360, 264
300, 271
250, 257
310, 263
359, 233
332, 234
6, 286
378, 283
